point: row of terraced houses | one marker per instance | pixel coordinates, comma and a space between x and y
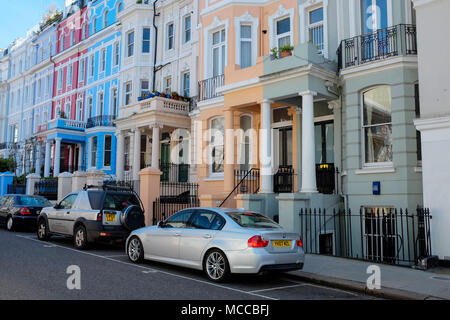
269, 105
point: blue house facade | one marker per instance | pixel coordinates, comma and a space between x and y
102, 85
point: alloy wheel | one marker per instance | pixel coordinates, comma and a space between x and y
215, 265
134, 249
9, 224
79, 238
41, 230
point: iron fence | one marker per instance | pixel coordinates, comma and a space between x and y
283, 180
326, 176
382, 235
174, 172
17, 188
165, 208
47, 188
248, 181
101, 121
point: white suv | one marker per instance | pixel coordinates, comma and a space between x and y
108, 213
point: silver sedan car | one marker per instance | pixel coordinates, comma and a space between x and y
219, 242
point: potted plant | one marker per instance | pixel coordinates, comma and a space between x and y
274, 53
285, 51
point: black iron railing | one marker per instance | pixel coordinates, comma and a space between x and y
47, 188
385, 235
174, 172
17, 188
101, 121
245, 181
164, 208
381, 44
283, 180
207, 88
326, 176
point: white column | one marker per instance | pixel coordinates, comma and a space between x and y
155, 146
266, 148
37, 168
47, 163
120, 157
57, 157
70, 157
309, 184
137, 154
80, 157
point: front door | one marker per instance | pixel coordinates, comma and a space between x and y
283, 179
165, 161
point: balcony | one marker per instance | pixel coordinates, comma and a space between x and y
100, 121
155, 104
399, 40
66, 124
207, 88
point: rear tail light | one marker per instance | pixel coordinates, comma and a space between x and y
300, 242
25, 211
257, 242
99, 217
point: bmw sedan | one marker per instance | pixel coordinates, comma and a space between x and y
218, 241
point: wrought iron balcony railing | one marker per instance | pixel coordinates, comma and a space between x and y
207, 88
381, 44
101, 121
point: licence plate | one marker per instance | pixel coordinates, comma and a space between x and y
282, 244
110, 217
38, 212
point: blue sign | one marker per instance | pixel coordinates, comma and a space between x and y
376, 188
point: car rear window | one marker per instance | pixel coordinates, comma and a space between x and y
33, 201
253, 220
119, 201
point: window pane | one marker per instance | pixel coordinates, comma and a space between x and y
377, 106
316, 16
285, 41
318, 143
329, 142
283, 26
246, 32
216, 38
378, 143
246, 54
179, 220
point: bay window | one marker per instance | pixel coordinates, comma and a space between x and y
170, 36
283, 32
146, 40
130, 44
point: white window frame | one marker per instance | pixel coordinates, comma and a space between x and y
114, 96
211, 146
105, 150
60, 79
185, 29
116, 54
105, 19
130, 45
128, 94
215, 26
365, 164
91, 151
169, 36
82, 66
100, 103
148, 85
304, 10
79, 111
90, 107
102, 60
92, 66
165, 84
149, 40
183, 83
253, 22
281, 14
70, 74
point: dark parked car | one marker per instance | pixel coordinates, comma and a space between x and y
21, 210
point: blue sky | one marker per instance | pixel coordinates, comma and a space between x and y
18, 16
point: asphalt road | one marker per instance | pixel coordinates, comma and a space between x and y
31, 269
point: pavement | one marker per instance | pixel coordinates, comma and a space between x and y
31, 269
396, 282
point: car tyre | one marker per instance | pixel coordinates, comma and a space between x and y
216, 266
135, 250
42, 230
10, 224
80, 238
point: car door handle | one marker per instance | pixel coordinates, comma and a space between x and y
207, 236
177, 234
68, 212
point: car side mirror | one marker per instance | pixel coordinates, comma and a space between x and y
161, 224
56, 206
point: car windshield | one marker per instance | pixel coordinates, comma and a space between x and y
33, 202
253, 220
119, 201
